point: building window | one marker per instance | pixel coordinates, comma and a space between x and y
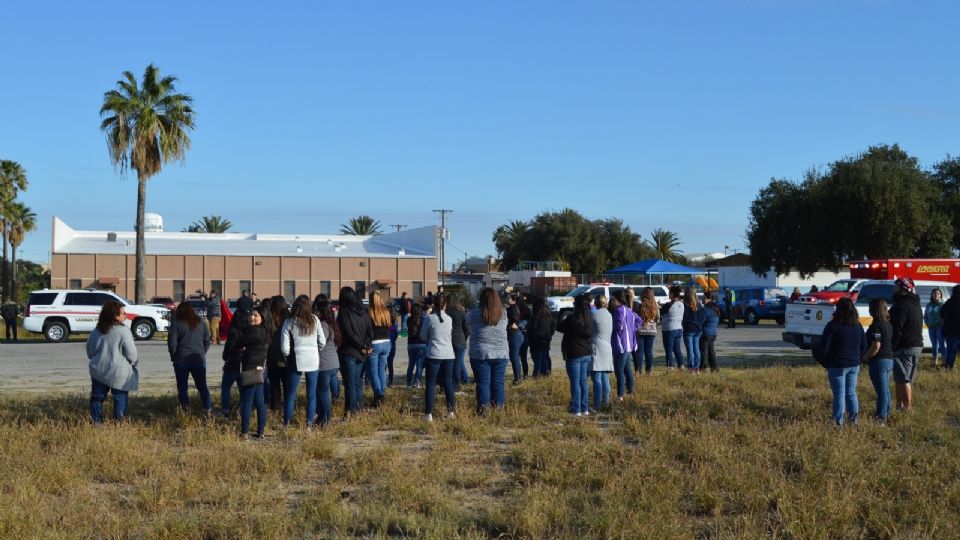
325, 288
290, 290
179, 290
417, 289
245, 286
360, 287
216, 285
76, 284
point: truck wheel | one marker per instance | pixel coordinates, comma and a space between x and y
751, 317
55, 332
143, 329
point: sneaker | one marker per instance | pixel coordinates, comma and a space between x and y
451, 414
428, 418
586, 413
578, 414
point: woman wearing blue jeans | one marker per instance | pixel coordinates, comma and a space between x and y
356, 342
437, 331
253, 344
880, 355
693, 316
647, 333
950, 313
671, 315
934, 322
842, 346
375, 365
329, 362
488, 350
416, 347
577, 347
301, 334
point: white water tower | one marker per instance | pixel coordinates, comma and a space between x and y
152, 222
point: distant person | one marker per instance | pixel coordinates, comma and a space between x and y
255, 299
795, 294
253, 364
623, 341
730, 307
692, 324
634, 305
10, 312
842, 346
525, 314
540, 333
188, 341
245, 302
602, 361
488, 350
906, 316
394, 335
113, 362
276, 360
814, 288
437, 331
458, 317
711, 320
934, 322
647, 333
514, 336
329, 362
375, 365
266, 318
231, 361
301, 334
577, 347
671, 317
416, 347
950, 313
879, 355
356, 343
405, 305
213, 316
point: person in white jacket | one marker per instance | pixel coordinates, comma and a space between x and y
301, 335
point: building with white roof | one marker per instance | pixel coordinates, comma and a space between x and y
181, 263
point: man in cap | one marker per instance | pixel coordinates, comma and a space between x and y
906, 317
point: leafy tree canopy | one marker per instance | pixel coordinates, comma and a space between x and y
361, 226
209, 224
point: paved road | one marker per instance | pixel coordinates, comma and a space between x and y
43, 367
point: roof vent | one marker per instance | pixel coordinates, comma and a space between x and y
111, 237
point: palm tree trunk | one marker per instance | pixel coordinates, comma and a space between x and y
3, 285
13, 272
141, 278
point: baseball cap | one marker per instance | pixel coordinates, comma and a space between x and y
904, 282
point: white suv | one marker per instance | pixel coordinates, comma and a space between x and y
562, 304
58, 313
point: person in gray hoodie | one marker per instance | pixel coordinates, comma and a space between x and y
188, 341
437, 331
113, 362
602, 363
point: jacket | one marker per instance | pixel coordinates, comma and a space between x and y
577, 336
253, 343
711, 320
513, 318
439, 336
906, 317
540, 332
213, 307
487, 342
843, 345
931, 315
671, 316
307, 347
603, 333
231, 350
692, 321
624, 336
460, 329
186, 345
356, 332
113, 358
950, 314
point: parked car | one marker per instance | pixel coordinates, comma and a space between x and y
756, 303
164, 301
57, 313
198, 305
560, 305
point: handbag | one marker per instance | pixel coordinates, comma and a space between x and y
251, 377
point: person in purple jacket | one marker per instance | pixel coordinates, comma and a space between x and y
623, 342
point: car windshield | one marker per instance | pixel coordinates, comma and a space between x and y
127, 301
879, 290
840, 286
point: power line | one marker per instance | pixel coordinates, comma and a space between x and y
443, 239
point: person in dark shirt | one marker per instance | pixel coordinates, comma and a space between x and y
843, 344
514, 336
906, 317
880, 355
245, 302
577, 347
253, 344
950, 313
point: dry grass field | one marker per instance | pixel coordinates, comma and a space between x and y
746, 453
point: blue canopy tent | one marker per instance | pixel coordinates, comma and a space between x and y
652, 267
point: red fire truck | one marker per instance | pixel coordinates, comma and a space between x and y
860, 271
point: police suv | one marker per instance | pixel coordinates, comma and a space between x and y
57, 313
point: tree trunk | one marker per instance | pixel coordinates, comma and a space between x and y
141, 278
13, 273
3, 285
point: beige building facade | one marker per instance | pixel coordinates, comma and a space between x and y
180, 264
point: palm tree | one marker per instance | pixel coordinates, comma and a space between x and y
664, 243
361, 226
12, 179
210, 224
146, 126
22, 220
509, 241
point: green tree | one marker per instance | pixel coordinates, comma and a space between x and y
946, 177
361, 226
509, 241
664, 244
209, 224
13, 179
22, 221
146, 126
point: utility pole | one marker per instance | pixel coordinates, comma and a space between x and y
443, 239
398, 226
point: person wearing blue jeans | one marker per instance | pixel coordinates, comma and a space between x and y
645, 346
439, 372
489, 374
416, 354
325, 381
880, 370
459, 367
250, 396
351, 371
227, 381
515, 339
98, 394
934, 321
671, 318
842, 347
577, 346
691, 342
623, 370
375, 367
880, 355
393, 353
950, 315
578, 370
601, 388
198, 370
293, 381
843, 384
672, 346
694, 316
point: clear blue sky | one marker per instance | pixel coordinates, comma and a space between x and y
663, 114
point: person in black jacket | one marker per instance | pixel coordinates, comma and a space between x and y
253, 345
459, 335
356, 335
276, 361
843, 344
577, 347
950, 313
539, 333
188, 341
514, 336
231, 360
906, 317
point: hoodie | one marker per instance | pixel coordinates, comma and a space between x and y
906, 317
356, 329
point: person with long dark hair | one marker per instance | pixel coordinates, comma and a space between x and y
188, 342
647, 333
458, 317
708, 339
525, 314
438, 333
266, 318
301, 334
253, 358
231, 360
276, 360
488, 350
577, 346
934, 322
879, 355
634, 306
113, 362
416, 346
842, 346
540, 333
623, 342
950, 313
375, 365
356, 343
329, 361
515, 336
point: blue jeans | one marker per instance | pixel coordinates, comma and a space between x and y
671, 345
351, 371
403, 322
645, 344
293, 381
325, 381
229, 379
880, 377
182, 371
416, 354
375, 367
691, 341
489, 375
439, 371
250, 396
98, 393
459, 367
953, 344
514, 340
938, 342
623, 371
541, 362
577, 370
843, 383
601, 388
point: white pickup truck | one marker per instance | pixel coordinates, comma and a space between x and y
805, 322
